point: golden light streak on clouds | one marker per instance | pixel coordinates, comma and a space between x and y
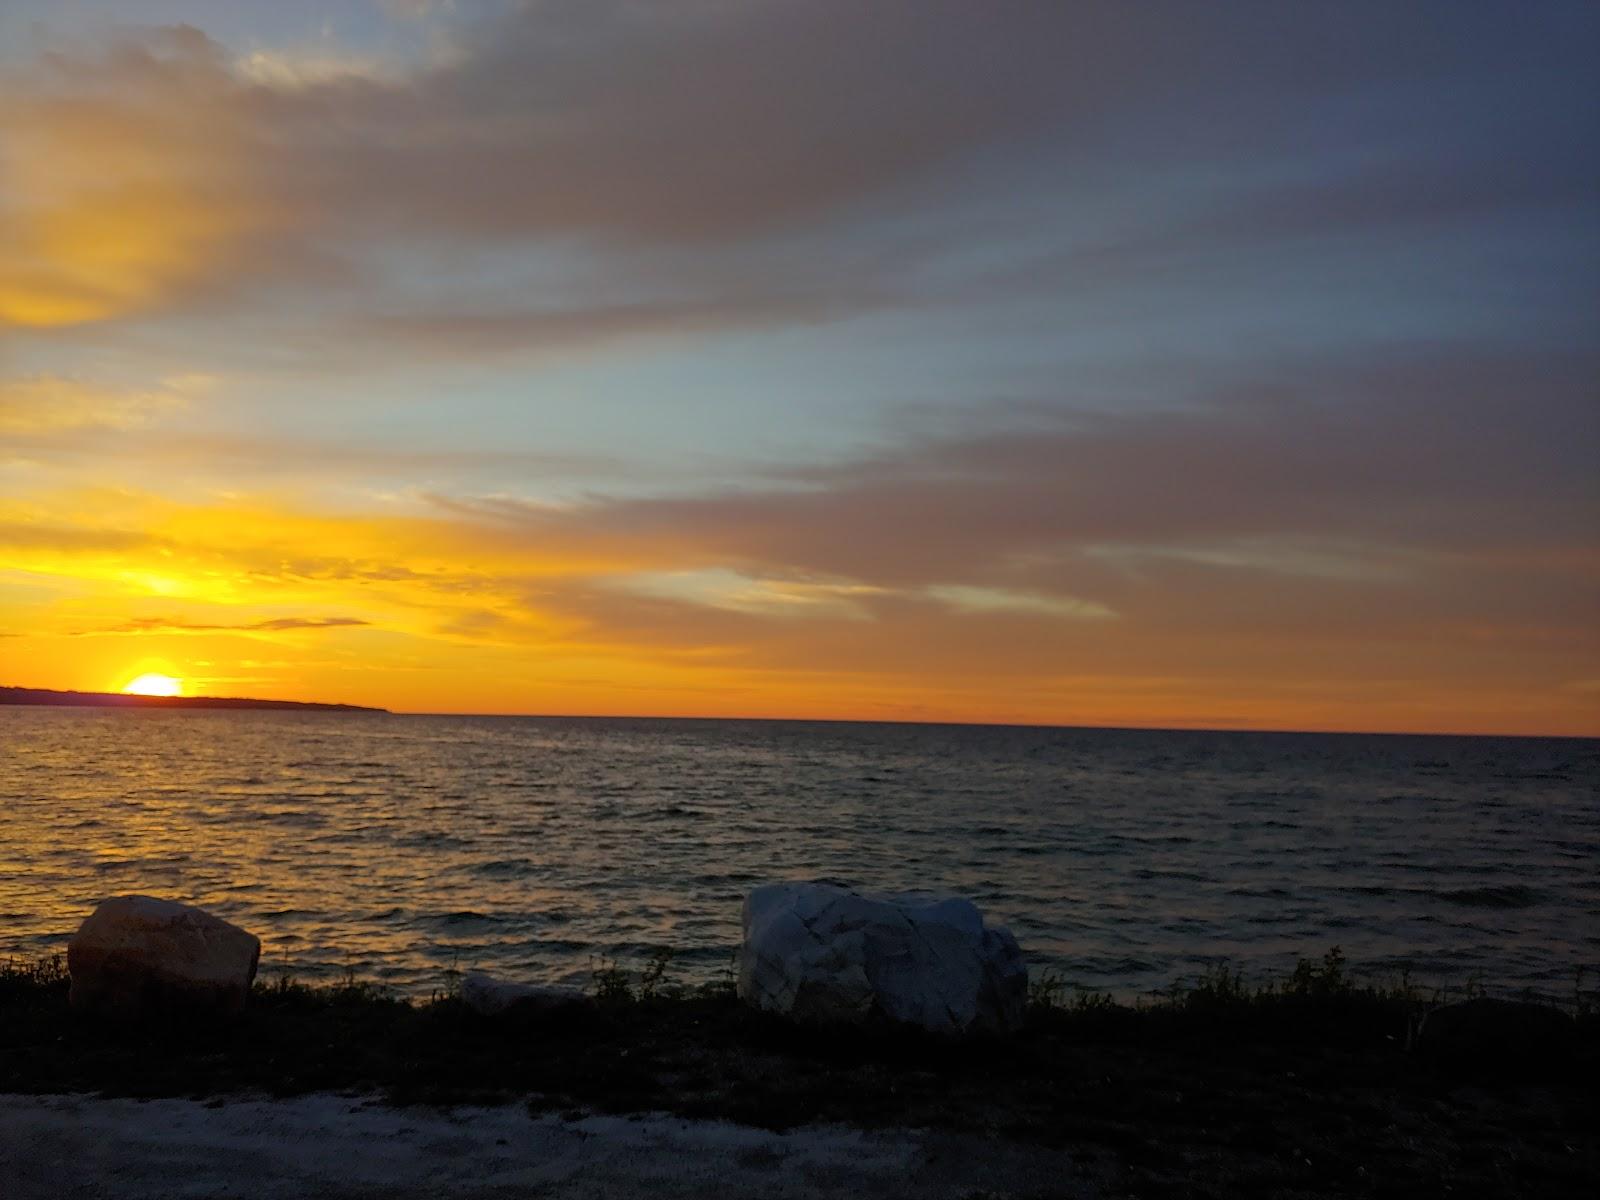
964, 598
288, 71
720, 587
53, 404
124, 183
235, 567
460, 615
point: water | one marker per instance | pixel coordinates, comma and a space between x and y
402, 846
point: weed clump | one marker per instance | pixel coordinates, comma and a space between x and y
613, 984
33, 981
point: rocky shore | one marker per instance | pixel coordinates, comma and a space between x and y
907, 1026
1210, 1092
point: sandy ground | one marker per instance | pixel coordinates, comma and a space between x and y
61, 1147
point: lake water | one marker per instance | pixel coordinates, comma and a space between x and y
400, 846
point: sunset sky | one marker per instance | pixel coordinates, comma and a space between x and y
1107, 363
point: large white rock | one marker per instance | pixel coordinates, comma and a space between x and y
489, 996
136, 955
821, 953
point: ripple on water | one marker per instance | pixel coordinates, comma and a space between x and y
1508, 896
1121, 858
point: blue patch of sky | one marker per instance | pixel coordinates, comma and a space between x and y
354, 27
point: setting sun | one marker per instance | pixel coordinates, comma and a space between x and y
155, 685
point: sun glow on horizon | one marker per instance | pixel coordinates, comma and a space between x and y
154, 685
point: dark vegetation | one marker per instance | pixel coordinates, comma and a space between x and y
54, 699
1313, 1085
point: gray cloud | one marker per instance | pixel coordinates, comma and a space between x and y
1436, 488
262, 454
705, 120
1438, 452
478, 332
715, 126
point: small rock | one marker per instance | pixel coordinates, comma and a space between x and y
140, 956
489, 996
822, 953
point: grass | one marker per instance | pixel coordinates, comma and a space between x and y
1320, 994
1307, 1084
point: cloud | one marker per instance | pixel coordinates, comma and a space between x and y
113, 428
47, 532
162, 170
980, 600
416, 10
1292, 556
1438, 488
517, 329
968, 573
272, 625
288, 72
1365, 468
130, 181
1440, 493
1323, 499
47, 405
697, 122
721, 588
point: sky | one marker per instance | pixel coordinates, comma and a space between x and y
1150, 364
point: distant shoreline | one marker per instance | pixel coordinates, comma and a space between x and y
1251, 730
47, 698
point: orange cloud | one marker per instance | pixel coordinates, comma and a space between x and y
43, 406
127, 179
566, 614
166, 169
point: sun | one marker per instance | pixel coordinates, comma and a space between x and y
154, 685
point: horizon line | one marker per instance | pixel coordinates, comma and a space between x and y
325, 705
1576, 737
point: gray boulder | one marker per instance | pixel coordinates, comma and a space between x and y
489, 996
139, 956
821, 953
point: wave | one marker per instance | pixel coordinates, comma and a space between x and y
433, 840
468, 916
1513, 895
175, 863
1189, 876
503, 868
1086, 844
